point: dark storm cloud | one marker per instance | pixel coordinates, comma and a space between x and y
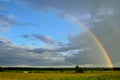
81, 49
108, 33
76, 42
86, 56
74, 7
39, 50
13, 55
82, 53
9, 54
20, 55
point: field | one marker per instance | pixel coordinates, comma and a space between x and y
105, 75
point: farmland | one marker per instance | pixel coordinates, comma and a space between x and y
58, 75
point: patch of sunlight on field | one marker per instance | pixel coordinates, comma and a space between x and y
60, 76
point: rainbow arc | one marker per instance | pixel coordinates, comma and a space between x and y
95, 39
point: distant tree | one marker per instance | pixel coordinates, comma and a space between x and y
1, 69
78, 70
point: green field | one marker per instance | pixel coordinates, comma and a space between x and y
111, 75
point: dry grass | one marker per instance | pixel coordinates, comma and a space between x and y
60, 76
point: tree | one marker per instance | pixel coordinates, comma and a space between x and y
78, 70
1, 69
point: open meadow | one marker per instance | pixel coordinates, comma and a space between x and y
110, 75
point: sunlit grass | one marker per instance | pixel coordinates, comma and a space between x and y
60, 76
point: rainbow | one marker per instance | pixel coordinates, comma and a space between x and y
96, 40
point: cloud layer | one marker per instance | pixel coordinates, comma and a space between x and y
70, 54
102, 15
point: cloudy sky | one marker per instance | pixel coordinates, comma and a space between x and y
44, 32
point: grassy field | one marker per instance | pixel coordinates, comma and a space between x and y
61, 76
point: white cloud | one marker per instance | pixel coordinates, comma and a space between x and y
45, 39
5, 23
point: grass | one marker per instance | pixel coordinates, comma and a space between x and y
60, 76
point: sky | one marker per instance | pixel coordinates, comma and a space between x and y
43, 32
